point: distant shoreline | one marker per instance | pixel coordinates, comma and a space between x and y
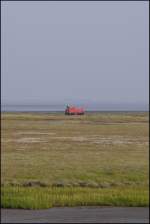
61, 108
62, 111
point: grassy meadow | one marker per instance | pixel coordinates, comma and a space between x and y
50, 159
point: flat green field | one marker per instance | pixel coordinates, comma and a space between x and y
49, 159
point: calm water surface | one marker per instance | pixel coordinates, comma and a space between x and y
53, 108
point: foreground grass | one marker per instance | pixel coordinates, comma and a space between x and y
56, 160
42, 198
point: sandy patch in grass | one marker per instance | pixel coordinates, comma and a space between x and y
36, 133
74, 138
115, 140
29, 140
25, 140
20, 149
104, 140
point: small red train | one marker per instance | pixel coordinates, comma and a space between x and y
74, 111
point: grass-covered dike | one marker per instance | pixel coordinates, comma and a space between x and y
39, 198
53, 160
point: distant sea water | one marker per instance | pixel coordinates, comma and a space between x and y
32, 108
61, 108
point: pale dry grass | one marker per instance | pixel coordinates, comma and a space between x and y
80, 149
56, 160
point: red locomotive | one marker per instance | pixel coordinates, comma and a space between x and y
74, 111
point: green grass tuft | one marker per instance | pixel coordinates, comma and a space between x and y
42, 198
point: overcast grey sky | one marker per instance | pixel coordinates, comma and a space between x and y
65, 51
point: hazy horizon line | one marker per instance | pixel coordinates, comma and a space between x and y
71, 102
87, 107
